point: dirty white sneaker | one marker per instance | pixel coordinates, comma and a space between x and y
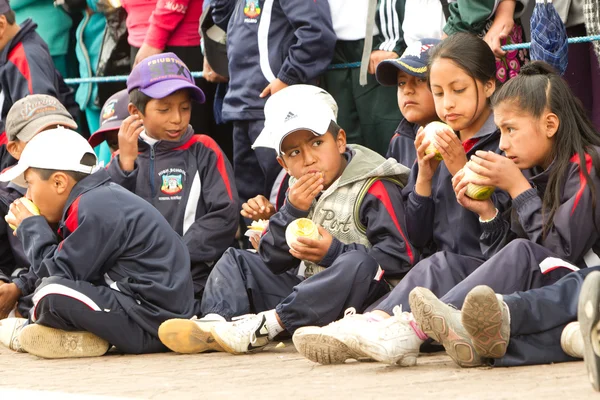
190, 336
392, 341
588, 316
571, 340
334, 343
46, 342
9, 332
243, 335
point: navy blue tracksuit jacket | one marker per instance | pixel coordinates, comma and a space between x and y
26, 67
292, 40
110, 237
190, 182
12, 256
402, 146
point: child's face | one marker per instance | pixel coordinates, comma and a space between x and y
525, 139
112, 140
50, 196
169, 117
415, 99
304, 153
460, 101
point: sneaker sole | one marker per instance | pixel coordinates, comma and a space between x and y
587, 314
46, 342
423, 305
186, 337
323, 349
482, 317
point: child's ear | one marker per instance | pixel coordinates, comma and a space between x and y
14, 149
3, 25
340, 141
551, 124
60, 182
282, 163
133, 110
490, 87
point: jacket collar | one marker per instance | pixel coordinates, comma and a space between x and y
98, 178
27, 27
167, 145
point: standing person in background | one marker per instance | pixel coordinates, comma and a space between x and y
158, 26
583, 70
369, 113
54, 26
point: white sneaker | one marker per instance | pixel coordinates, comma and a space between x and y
46, 342
392, 341
334, 343
190, 336
571, 340
9, 332
243, 335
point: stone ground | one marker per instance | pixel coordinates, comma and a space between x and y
277, 373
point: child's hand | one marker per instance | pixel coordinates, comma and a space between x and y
18, 212
499, 171
305, 190
377, 56
129, 132
254, 241
427, 165
312, 250
451, 148
9, 294
258, 208
484, 208
273, 88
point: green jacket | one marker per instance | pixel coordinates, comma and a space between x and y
472, 15
53, 23
389, 17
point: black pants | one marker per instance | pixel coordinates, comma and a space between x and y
241, 283
255, 170
203, 120
80, 306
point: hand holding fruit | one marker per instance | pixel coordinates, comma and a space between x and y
451, 149
310, 249
258, 208
484, 207
19, 210
499, 171
304, 191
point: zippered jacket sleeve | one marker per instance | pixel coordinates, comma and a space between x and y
125, 179
420, 214
222, 11
389, 17
211, 234
382, 213
312, 52
163, 21
78, 256
273, 248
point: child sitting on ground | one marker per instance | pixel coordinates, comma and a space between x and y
185, 176
350, 193
118, 269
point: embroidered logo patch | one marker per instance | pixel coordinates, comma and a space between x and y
109, 110
252, 9
171, 184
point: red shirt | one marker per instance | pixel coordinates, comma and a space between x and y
162, 23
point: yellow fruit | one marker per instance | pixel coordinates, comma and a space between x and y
476, 192
302, 227
29, 205
431, 131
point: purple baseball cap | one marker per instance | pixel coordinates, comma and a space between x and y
161, 75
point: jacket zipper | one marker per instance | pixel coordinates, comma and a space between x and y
152, 183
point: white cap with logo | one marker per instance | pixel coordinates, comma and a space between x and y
297, 107
57, 149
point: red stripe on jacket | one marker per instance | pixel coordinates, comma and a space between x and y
72, 221
378, 190
207, 141
18, 57
582, 180
3, 138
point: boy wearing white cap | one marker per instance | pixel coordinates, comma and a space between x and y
351, 193
101, 283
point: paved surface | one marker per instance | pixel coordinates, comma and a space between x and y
277, 373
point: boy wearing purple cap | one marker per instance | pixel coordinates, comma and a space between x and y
415, 100
185, 176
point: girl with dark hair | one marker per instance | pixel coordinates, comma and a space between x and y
462, 72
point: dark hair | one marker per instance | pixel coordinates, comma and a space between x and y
334, 129
139, 100
536, 89
469, 53
10, 17
88, 159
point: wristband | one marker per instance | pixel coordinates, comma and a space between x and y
485, 221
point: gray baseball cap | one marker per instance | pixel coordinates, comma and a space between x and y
34, 113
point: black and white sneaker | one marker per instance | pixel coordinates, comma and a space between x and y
243, 335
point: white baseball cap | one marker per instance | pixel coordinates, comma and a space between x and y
57, 149
297, 107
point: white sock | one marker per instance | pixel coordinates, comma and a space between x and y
273, 326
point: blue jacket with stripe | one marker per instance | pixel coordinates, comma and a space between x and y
402, 145
292, 40
574, 236
104, 238
190, 182
26, 67
12, 256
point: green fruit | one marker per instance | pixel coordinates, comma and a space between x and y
29, 205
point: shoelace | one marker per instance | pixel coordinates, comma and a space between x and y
246, 326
